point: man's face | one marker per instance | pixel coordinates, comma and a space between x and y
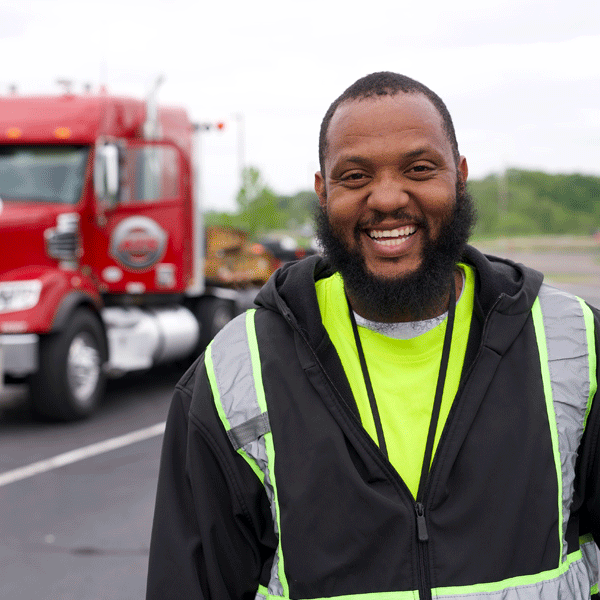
390, 180
395, 214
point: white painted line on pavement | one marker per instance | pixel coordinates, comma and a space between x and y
72, 456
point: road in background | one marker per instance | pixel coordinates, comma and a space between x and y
569, 264
81, 532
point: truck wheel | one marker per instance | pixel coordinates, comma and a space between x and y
213, 314
70, 380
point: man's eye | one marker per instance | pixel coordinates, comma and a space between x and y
422, 171
353, 177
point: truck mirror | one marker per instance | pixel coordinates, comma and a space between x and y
106, 173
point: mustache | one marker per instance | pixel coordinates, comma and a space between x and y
401, 216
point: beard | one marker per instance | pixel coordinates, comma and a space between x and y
414, 296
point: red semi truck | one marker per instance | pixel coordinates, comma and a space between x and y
101, 246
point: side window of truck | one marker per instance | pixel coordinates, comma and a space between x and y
151, 174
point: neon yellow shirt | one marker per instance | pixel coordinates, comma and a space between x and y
403, 373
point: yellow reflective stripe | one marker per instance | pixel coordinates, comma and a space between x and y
409, 595
477, 590
586, 539
509, 588
260, 396
540, 334
255, 358
262, 593
591, 344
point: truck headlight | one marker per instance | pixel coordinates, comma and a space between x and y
19, 295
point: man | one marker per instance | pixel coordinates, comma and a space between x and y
403, 417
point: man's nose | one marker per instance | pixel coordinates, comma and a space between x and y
388, 194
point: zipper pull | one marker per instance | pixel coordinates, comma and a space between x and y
421, 524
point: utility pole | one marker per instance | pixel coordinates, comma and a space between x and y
241, 145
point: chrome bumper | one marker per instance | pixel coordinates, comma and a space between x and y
18, 354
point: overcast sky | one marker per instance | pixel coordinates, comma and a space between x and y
521, 77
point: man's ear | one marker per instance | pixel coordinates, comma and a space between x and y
320, 189
463, 172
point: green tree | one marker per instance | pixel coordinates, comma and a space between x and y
258, 208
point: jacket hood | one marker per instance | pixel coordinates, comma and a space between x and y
509, 287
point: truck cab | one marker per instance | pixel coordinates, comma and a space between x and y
101, 268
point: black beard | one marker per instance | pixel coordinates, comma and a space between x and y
412, 297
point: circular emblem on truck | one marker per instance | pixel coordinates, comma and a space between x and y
138, 242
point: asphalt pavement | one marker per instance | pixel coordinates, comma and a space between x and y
81, 531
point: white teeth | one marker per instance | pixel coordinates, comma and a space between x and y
393, 233
395, 242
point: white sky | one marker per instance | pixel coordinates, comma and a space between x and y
521, 77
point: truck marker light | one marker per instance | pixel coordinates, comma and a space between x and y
135, 287
112, 274
14, 327
13, 133
62, 133
165, 276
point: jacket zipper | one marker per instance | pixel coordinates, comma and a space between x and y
423, 553
422, 533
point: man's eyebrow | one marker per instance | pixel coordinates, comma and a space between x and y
356, 159
416, 152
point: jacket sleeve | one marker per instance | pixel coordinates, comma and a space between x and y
212, 536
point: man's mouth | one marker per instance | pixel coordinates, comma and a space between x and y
392, 237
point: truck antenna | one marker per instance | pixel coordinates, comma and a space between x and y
151, 125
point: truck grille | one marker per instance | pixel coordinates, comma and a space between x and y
63, 246
62, 241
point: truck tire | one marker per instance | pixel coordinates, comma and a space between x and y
70, 380
213, 314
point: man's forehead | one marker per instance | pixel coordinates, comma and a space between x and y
362, 110
378, 115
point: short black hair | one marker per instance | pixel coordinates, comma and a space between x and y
386, 83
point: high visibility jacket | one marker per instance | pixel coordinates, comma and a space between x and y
277, 491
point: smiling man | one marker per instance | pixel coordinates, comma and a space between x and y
401, 417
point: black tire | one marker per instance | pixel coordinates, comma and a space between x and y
70, 380
213, 314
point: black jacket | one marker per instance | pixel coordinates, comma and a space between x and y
347, 519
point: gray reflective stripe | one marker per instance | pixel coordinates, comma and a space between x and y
591, 558
233, 373
568, 364
570, 583
234, 377
249, 431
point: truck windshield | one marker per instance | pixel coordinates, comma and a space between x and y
42, 173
